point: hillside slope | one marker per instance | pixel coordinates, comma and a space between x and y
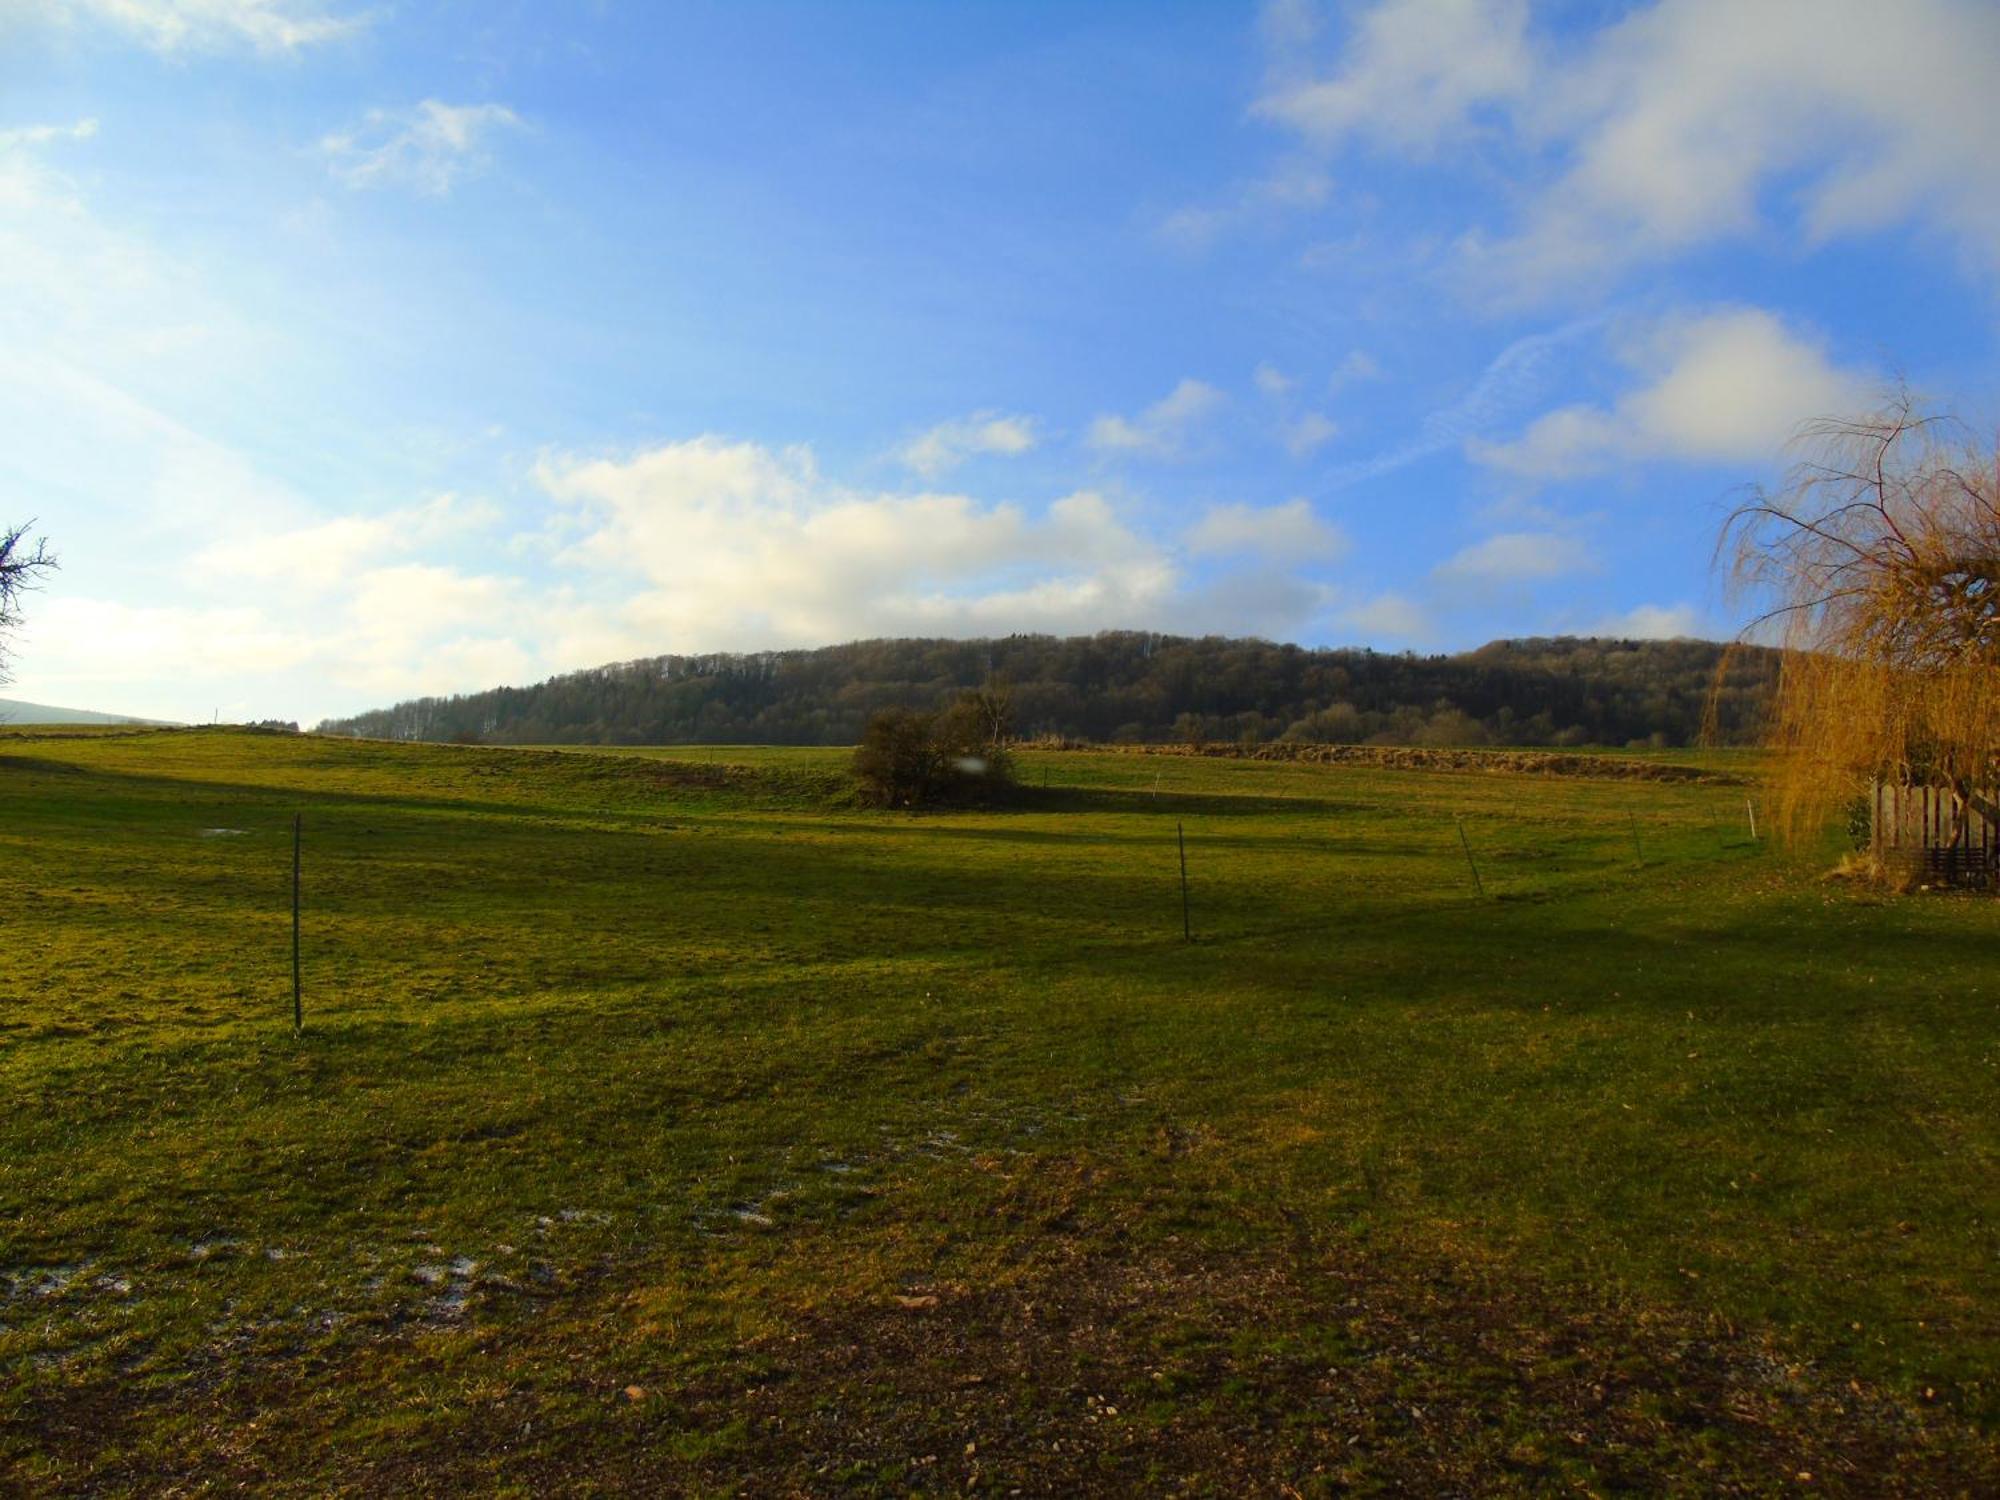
1124, 685
16, 711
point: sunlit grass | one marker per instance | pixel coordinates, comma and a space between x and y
624, 1069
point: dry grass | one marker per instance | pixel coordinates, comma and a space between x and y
1498, 762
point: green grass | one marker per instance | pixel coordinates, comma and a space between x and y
847, 1139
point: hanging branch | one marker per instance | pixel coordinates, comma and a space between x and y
1878, 568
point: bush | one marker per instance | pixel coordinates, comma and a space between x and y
909, 759
1861, 823
896, 762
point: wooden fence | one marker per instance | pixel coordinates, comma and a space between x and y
1935, 832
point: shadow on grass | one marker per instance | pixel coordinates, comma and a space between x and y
750, 789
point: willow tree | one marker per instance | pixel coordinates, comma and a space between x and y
1877, 566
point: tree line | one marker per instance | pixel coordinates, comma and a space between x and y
1129, 686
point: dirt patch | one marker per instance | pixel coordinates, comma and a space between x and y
1201, 1376
1320, 1371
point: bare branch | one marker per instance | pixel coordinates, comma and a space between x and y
23, 566
1879, 564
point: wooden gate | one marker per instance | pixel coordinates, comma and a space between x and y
1934, 832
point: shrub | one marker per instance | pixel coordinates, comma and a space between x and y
909, 759
896, 762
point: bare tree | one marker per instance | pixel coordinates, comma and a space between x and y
22, 567
992, 707
1878, 568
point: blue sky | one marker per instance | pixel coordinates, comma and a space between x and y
356, 350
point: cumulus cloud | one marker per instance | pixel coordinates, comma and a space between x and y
1414, 73
331, 553
415, 601
1729, 386
735, 544
427, 148
82, 640
390, 631
1288, 532
176, 26
705, 544
1515, 557
947, 445
1162, 429
1650, 622
1684, 122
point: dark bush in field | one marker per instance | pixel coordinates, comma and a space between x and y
895, 762
910, 759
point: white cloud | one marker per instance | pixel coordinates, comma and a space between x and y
391, 611
331, 553
175, 26
153, 614
1309, 431
119, 457
427, 148
1288, 532
1515, 557
1414, 73
1287, 27
1391, 616
1294, 184
1650, 622
1273, 382
391, 631
1725, 387
736, 545
699, 545
1513, 380
1162, 429
1685, 122
74, 643
949, 444
1301, 432
42, 135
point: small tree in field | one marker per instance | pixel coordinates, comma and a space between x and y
1879, 566
21, 569
909, 759
896, 762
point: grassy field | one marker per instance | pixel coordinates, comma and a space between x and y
665, 1123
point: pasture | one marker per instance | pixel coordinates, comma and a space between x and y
664, 1122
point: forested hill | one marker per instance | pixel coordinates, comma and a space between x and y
1123, 685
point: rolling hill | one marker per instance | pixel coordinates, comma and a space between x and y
1126, 686
16, 711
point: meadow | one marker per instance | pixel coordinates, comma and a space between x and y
664, 1122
